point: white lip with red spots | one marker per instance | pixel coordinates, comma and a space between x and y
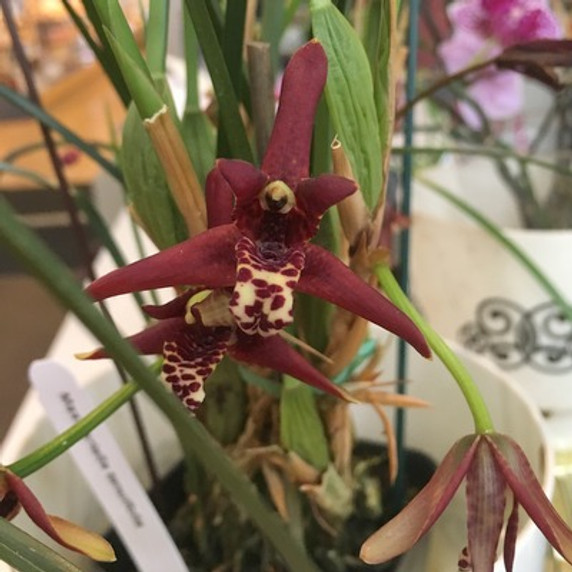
189, 362
263, 295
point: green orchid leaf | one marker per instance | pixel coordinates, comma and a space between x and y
192, 56
199, 136
301, 428
312, 314
156, 36
350, 97
224, 409
113, 18
147, 187
101, 50
269, 385
230, 119
381, 47
26, 554
141, 86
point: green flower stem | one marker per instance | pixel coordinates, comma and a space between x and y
477, 406
493, 153
494, 231
193, 435
60, 444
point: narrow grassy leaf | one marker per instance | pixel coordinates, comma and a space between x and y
272, 26
194, 437
224, 409
113, 18
26, 554
350, 97
37, 113
301, 428
141, 87
313, 315
269, 385
229, 113
199, 136
101, 50
6, 167
192, 102
156, 36
383, 54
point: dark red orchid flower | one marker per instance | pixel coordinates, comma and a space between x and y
253, 257
15, 494
494, 465
259, 248
196, 330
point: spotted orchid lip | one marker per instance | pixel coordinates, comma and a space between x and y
188, 354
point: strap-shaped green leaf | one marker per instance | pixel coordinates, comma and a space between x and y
26, 554
229, 111
139, 82
156, 36
350, 97
301, 428
113, 18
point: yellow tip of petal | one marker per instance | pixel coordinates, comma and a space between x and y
77, 538
83, 355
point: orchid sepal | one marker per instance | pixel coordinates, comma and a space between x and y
327, 277
64, 532
497, 459
207, 258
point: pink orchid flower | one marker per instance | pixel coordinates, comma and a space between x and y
495, 467
15, 494
254, 256
481, 30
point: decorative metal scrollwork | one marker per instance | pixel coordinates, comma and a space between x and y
515, 337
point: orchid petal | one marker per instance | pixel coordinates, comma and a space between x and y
190, 358
149, 341
315, 196
529, 494
263, 296
405, 529
219, 199
62, 531
485, 508
207, 259
288, 153
510, 536
275, 353
245, 180
327, 277
172, 309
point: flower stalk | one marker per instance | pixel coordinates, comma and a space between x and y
479, 411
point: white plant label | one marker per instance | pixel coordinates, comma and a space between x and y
107, 472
